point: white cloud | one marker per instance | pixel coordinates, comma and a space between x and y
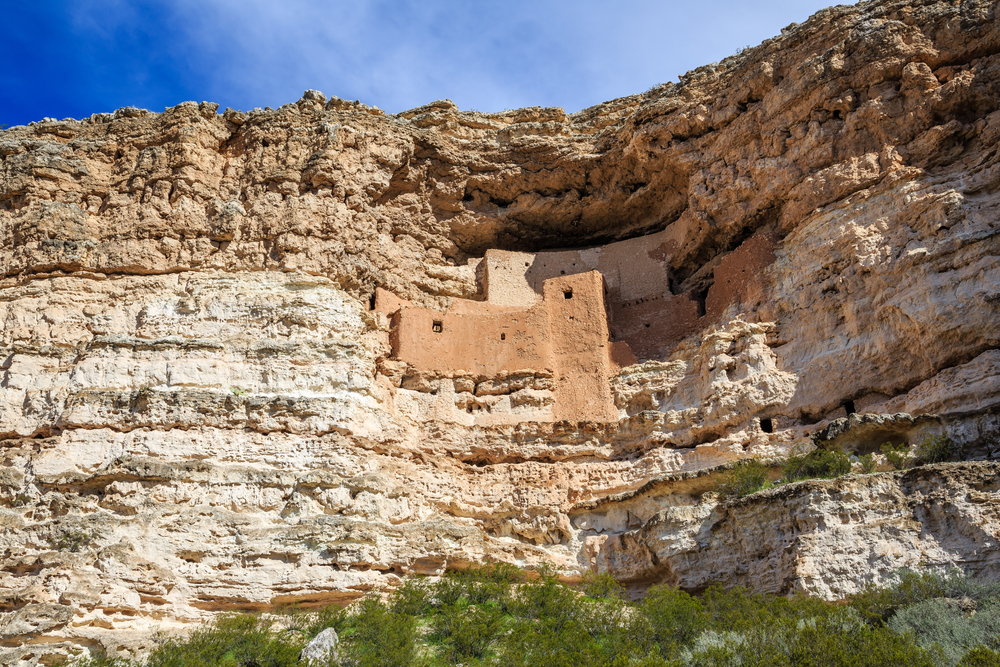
488, 55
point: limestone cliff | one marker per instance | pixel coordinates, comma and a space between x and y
218, 393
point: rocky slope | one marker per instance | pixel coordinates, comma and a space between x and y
822, 537
200, 411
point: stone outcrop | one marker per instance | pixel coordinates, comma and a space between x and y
322, 649
826, 537
859, 434
215, 394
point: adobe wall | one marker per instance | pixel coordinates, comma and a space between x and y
632, 269
580, 344
738, 275
481, 344
529, 326
652, 326
644, 314
388, 303
566, 334
506, 281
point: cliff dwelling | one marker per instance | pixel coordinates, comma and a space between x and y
298, 356
553, 327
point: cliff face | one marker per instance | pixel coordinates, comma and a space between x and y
822, 537
213, 398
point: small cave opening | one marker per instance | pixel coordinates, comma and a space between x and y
700, 297
503, 336
438, 326
371, 302
568, 294
766, 425
849, 408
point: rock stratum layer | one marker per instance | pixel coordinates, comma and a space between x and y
292, 355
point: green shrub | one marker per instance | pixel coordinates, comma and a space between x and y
412, 598
980, 657
476, 585
744, 478
474, 631
921, 620
898, 457
718, 648
817, 464
827, 642
448, 590
71, 540
234, 640
938, 449
468, 631
739, 610
868, 464
490, 583
504, 573
311, 623
672, 617
763, 630
594, 632
377, 637
547, 643
601, 586
544, 598
880, 603
945, 623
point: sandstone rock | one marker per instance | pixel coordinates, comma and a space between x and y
35, 618
868, 432
205, 405
829, 538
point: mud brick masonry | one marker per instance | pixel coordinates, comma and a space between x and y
577, 316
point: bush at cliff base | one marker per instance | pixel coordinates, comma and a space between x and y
499, 616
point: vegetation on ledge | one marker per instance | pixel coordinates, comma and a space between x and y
495, 616
750, 475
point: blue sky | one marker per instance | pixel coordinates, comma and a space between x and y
71, 59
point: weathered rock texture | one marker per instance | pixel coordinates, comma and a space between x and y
211, 398
826, 537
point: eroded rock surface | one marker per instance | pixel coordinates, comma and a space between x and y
825, 537
207, 402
